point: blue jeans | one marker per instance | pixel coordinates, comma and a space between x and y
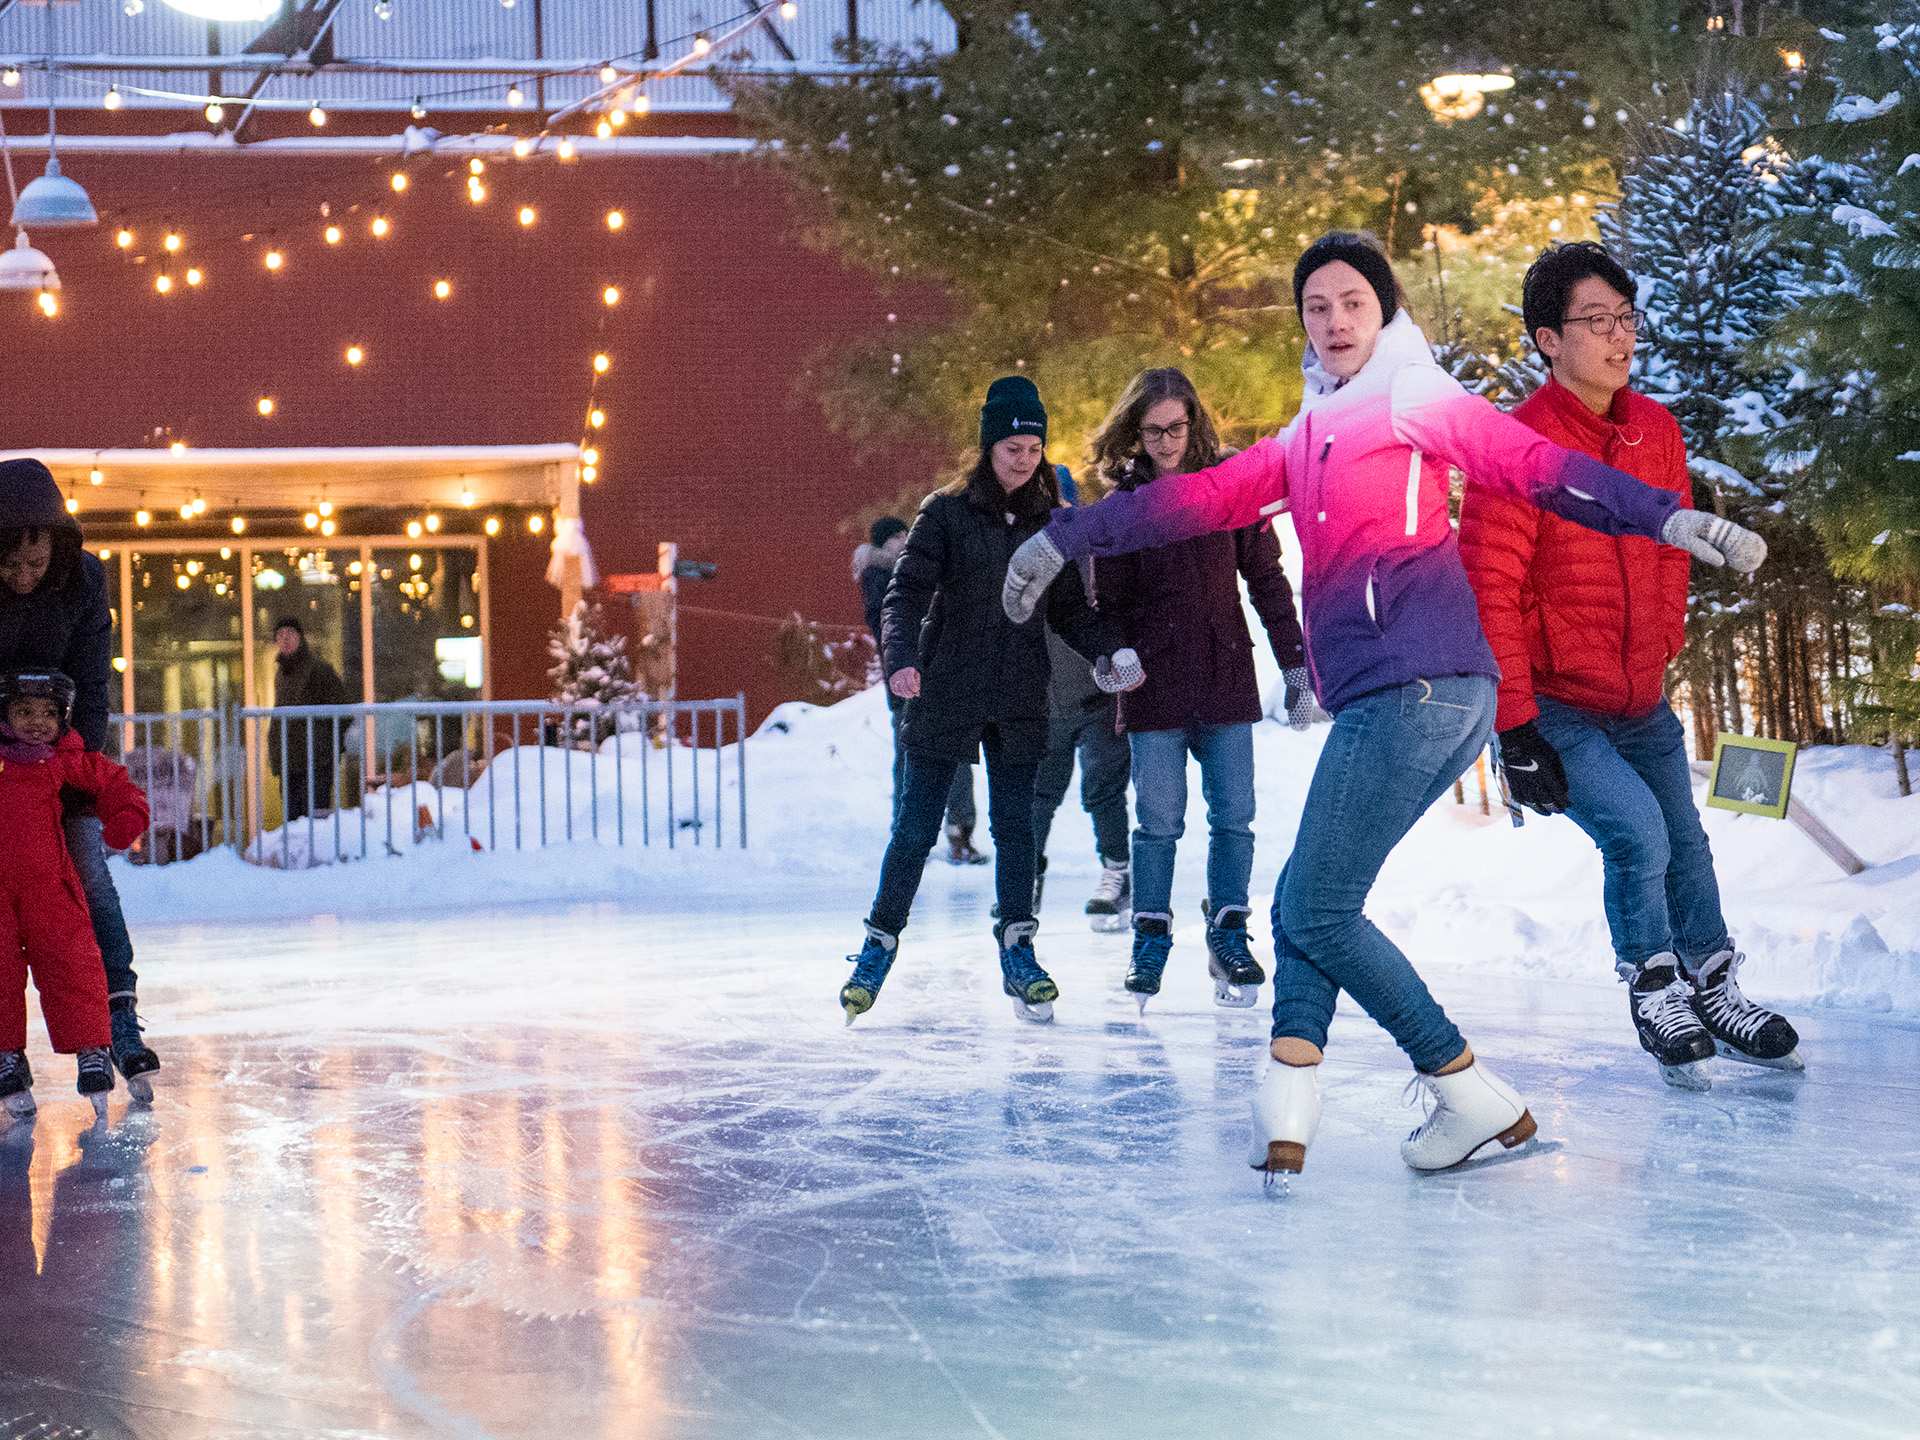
89, 852
1391, 754
1629, 787
922, 801
960, 812
1104, 768
1225, 753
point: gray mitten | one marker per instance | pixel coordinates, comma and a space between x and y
1029, 573
1119, 671
1299, 697
1716, 540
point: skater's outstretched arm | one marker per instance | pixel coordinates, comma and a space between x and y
122, 805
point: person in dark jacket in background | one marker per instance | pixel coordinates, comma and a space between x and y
972, 678
873, 565
54, 616
1082, 721
307, 747
1179, 606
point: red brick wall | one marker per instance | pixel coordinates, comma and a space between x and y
709, 441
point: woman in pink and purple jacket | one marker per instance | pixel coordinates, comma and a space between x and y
1396, 653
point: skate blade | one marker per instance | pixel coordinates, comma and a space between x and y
22, 1106
1040, 1014
1107, 924
1142, 1001
1692, 1077
856, 1003
1235, 997
140, 1089
1790, 1062
99, 1108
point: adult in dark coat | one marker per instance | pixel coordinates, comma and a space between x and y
873, 565
54, 616
1179, 607
306, 747
974, 679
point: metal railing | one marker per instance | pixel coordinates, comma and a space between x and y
293, 786
188, 765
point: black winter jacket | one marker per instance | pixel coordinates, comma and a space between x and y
64, 623
978, 669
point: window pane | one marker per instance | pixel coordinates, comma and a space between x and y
426, 624
186, 630
314, 587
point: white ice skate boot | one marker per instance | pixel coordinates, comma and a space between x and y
1465, 1110
1112, 897
1286, 1112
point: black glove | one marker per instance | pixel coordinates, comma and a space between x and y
1535, 776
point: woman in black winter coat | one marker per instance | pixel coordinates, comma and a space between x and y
974, 679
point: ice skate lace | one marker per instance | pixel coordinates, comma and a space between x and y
1422, 1089
1150, 952
870, 966
1729, 1008
1112, 885
1669, 1010
1230, 945
1020, 965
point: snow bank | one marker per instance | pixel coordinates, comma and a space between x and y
1463, 889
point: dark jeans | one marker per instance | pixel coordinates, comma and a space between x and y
960, 812
1629, 787
294, 787
1390, 755
1106, 764
89, 854
1009, 814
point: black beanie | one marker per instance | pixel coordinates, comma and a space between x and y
884, 529
1363, 253
287, 622
1013, 408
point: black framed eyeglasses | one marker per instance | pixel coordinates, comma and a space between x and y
1630, 320
1154, 434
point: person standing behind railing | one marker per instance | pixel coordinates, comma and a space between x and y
54, 616
303, 678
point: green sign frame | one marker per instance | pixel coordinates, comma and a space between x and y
1742, 761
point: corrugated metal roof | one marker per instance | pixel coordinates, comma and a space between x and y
632, 33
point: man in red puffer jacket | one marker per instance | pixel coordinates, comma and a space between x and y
1584, 626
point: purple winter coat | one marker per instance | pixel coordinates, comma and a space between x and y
1179, 606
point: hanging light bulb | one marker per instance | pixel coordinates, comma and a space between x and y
163, 283
467, 498
536, 523
476, 192
492, 527
48, 302
433, 523
615, 219
199, 505
10, 77
398, 181
528, 215
419, 111
565, 149
325, 507
264, 405
522, 148
610, 296
131, 8
239, 526
414, 529
589, 455
618, 116
216, 112
701, 44
516, 97
442, 289
789, 10
607, 75
642, 103
596, 417
355, 354
186, 511
311, 520
124, 239
602, 363
476, 166
172, 243
327, 527
111, 99
195, 275
589, 474
333, 234
604, 130
73, 505
178, 447
383, 9
96, 476
273, 260
380, 227
143, 518
316, 116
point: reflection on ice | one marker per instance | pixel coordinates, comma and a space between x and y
594, 1173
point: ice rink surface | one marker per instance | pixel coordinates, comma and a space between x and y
602, 1171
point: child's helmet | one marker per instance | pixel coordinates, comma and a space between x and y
46, 684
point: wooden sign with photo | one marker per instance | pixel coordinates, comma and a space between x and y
1752, 775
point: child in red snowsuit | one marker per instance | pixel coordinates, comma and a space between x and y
44, 925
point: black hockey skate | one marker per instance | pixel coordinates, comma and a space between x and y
870, 969
1152, 944
1661, 1004
94, 1069
1032, 989
131, 1056
1742, 1030
1237, 976
16, 1084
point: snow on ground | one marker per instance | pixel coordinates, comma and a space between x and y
1464, 888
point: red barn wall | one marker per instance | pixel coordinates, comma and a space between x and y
710, 441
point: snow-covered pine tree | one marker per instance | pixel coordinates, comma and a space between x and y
1700, 224
590, 672
1856, 421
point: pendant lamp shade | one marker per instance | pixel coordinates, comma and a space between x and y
53, 202
25, 268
